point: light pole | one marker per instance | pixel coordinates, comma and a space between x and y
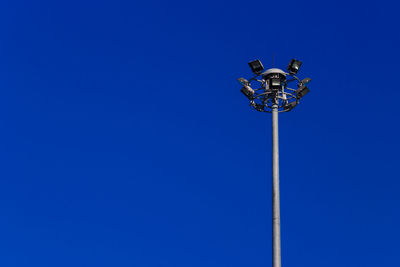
273, 95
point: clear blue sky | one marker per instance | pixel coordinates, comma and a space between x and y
125, 140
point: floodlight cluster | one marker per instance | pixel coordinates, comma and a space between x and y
273, 87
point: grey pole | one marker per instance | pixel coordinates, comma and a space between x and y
276, 217
275, 95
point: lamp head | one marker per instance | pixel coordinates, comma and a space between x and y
305, 81
248, 92
294, 66
302, 91
291, 105
256, 66
243, 81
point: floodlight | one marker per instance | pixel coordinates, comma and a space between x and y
243, 81
291, 105
294, 66
305, 81
248, 92
271, 91
302, 91
259, 107
256, 66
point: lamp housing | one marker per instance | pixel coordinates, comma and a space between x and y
243, 81
290, 105
248, 92
294, 66
305, 81
256, 66
259, 107
302, 91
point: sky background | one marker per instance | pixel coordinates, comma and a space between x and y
125, 140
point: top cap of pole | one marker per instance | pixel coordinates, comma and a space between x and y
273, 70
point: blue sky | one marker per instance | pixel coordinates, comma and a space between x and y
126, 141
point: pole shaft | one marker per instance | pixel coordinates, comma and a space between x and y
276, 217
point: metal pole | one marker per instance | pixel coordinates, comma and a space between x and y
276, 217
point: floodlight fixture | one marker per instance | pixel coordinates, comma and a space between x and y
302, 91
243, 81
291, 105
294, 66
259, 107
305, 81
248, 92
256, 66
274, 89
